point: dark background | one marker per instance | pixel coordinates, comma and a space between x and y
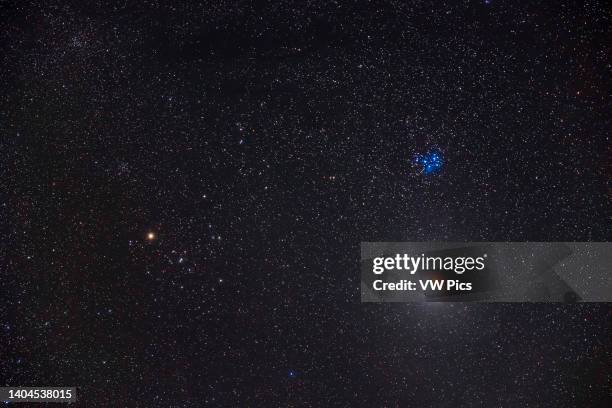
261, 143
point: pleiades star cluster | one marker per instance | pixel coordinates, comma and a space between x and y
184, 187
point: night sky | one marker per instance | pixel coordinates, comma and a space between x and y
183, 192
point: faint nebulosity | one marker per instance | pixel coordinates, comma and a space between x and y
184, 188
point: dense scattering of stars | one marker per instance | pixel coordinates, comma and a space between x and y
185, 186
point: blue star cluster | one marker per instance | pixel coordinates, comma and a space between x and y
429, 163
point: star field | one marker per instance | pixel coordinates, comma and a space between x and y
184, 187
